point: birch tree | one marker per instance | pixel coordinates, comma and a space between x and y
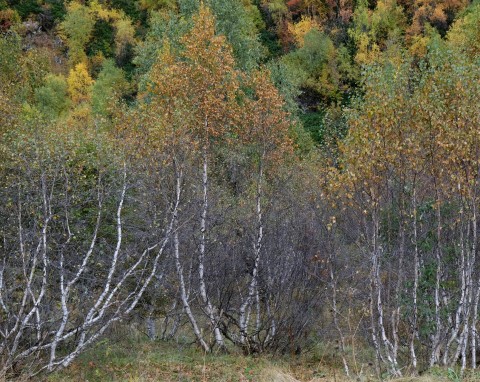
68, 270
196, 88
265, 130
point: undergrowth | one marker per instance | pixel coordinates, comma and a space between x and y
136, 359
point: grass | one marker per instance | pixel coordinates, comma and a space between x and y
139, 360
158, 361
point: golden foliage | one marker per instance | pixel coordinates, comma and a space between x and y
79, 84
265, 124
300, 29
197, 88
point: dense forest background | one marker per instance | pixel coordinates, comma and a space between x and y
264, 175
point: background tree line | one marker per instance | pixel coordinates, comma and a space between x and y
266, 174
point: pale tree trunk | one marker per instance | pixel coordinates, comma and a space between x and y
179, 268
462, 302
464, 343
257, 248
414, 331
434, 356
474, 332
210, 310
466, 314
272, 328
376, 250
475, 281
462, 349
470, 312
396, 314
475, 290
475, 287
378, 354
258, 321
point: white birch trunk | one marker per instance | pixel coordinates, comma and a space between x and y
257, 248
414, 331
434, 356
210, 310
179, 268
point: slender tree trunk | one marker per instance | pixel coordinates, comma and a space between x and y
414, 331
474, 332
257, 248
470, 311
460, 307
373, 316
179, 268
475, 292
434, 356
210, 310
387, 345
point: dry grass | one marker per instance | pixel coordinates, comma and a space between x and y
274, 374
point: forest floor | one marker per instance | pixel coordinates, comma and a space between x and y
139, 360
